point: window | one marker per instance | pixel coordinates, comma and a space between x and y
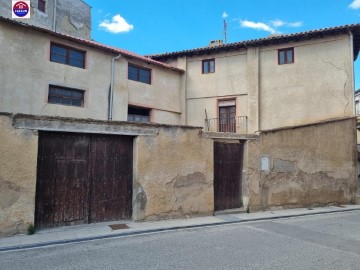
66, 55
208, 66
286, 56
41, 5
357, 107
66, 96
139, 74
137, 114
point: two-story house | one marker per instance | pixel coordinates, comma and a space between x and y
270, 82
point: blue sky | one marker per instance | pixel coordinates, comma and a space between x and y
157, 26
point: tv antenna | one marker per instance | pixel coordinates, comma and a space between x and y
225, 31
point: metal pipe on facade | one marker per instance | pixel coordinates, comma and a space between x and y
352, 70
111, 98
54, 13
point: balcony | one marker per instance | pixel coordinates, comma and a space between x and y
238, 124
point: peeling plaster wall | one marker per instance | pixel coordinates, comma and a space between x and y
73, 17
309, 166
18, 161
173, 175
37, 18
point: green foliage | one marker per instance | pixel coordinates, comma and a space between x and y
31, 229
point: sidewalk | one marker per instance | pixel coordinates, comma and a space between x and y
88, 232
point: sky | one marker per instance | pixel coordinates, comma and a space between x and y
158, 26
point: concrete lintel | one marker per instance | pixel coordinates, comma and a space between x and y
122, 128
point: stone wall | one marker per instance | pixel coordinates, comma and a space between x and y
18, 159
174, 175
309, 165
173, 167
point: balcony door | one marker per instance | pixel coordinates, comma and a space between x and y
227, 116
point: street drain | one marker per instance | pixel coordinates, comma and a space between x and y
118, 227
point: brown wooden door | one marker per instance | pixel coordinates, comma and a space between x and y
62, 179
227, 119
228, 159
82, 178
111, 165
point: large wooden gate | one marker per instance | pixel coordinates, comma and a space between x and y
83, 178
228, 158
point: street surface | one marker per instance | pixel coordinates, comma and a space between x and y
330, 241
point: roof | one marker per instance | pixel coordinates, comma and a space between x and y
93, 44
271, 40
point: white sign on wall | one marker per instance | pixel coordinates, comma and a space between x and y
265, 163
20, 9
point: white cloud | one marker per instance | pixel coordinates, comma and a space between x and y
355, 4
271, 27
277, 23
225, 15
258, 26
295, 24
117, 25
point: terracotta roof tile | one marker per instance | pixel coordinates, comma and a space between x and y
94, 44
271, 40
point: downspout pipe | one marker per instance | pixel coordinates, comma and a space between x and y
54, 14
111, 96
352, 70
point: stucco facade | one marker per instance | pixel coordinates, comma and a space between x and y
34, 72
317, 86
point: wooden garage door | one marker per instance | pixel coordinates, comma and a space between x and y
228, 159
83, 178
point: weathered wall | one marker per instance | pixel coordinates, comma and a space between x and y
73, 17
18, 159
204, 90
309, 165
163, 95
30, 51
173, 175
317, 86
173, 167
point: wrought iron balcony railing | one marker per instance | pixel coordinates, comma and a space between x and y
238, 124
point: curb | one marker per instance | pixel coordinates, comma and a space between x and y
140, 232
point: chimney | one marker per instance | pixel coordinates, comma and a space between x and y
214, 43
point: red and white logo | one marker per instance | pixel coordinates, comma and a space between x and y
21, 9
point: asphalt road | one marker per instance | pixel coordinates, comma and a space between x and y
330, 241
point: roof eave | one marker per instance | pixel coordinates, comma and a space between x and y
321, 33
93, 44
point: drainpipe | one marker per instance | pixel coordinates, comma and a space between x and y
352, 70
111, 99
54, 19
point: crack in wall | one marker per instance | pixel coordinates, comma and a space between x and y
346, 104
